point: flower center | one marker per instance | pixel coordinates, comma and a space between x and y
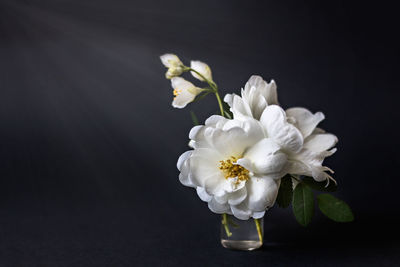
232, 170
177, 92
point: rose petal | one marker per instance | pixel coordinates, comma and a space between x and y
241, 211
263, 158
285, 134
258, 215
238, 196
267, 90
201, 192
320, 142
240, 108
262, 192
305, 120
216, 207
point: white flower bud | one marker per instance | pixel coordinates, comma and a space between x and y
174, 65
202, 68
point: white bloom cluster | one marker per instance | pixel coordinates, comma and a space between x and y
236, 165
184, 91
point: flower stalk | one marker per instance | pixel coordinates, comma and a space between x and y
259, 230
213, 86
221, 108
225, 223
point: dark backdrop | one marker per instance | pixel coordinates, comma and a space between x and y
89, 140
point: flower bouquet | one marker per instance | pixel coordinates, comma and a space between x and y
252, 155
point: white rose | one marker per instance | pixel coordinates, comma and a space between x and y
305, 159
233, 167
295, 130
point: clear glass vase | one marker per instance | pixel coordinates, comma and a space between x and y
241, 235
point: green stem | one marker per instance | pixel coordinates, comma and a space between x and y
210, 83
259, 230
199, 97
213, 86
225, 223
221, 108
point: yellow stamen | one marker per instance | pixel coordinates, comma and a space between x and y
177, 92
232, 170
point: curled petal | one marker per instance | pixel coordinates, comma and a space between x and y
309, 163
241, 211
271, 164
201, 137
203, 195
247, 164
184, 168
305, 121
186, 180
298, 167
216, 207
182, 159
194, 131
256, 103
320, 142
238, 196
233, 195
203, 164
192, 144
263, 157
258, 215
221, 198
216, 121
255, 97
235, 138
230, 143
264, 147
259, 94
285, 134
261, 87
228, 98
318, 131
240, 108
262, 192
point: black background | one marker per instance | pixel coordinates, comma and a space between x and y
89, 140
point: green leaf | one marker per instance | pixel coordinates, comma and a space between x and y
335, 209
194, 118
303, 204
319, 186
285, 193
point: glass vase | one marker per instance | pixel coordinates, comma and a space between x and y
241, 235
